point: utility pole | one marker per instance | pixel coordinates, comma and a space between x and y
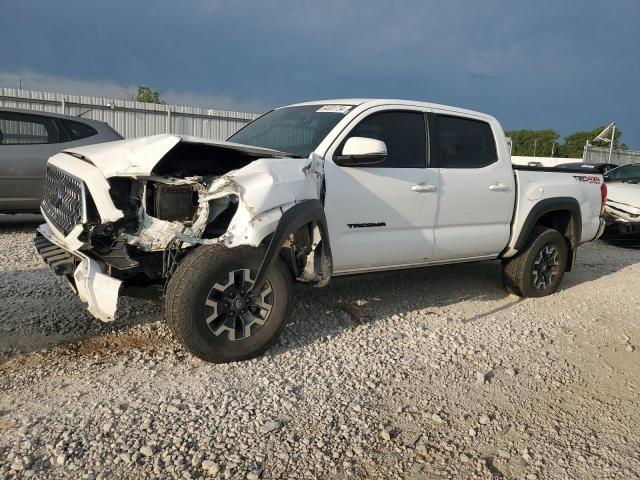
535, 144
585, 151
613, 137
19, 84
553, 147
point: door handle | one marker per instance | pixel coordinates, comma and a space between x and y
423, 188
499, 187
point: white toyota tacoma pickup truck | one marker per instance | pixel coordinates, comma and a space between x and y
303, 193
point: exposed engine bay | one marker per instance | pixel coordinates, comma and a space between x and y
132, 209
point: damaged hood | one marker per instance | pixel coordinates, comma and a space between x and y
624, 196
137, 157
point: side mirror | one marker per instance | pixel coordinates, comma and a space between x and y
361, 151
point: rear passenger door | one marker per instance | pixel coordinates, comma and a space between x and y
476, 194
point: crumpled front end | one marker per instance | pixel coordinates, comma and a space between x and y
126, 224
621, 220
86, 276
622, 211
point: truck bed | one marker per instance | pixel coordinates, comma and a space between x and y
539, 187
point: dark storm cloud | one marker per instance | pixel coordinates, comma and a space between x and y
545, 64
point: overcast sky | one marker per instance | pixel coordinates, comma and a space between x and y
566, 65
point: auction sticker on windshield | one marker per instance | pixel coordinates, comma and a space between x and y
335, 109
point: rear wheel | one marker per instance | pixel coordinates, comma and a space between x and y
211, 310
539, 269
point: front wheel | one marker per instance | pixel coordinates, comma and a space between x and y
538, 270
211, 310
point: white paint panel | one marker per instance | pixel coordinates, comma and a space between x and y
474, 220
357, 196
553, 185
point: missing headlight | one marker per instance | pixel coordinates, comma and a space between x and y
171, 202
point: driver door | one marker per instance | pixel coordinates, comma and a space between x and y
384, 214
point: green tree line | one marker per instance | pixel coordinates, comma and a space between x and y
546, 143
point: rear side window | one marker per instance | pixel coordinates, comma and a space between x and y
404, 133
461, 142
21, 129
77, 130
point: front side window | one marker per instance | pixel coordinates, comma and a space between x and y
293, 130
77, 130
20, 129
461, 142
403, 132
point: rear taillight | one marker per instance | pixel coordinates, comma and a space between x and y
603, 196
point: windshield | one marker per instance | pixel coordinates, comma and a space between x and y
627, 173
294, 130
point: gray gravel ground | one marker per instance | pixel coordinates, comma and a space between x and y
430, 373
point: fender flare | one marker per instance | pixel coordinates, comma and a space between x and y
307, 211
554, 205
547, 206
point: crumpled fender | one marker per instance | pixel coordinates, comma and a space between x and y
276, 197
303, 213
265, 189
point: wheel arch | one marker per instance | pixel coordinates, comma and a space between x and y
562, 214
318, 261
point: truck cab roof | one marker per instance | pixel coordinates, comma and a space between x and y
366, 103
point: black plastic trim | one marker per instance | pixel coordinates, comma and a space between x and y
533, 168
301, 214
58, 259
551, 205
116, 255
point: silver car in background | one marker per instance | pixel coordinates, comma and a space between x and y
27, 140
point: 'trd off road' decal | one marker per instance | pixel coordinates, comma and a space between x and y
587, 179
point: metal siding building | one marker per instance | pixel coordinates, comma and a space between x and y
132, 119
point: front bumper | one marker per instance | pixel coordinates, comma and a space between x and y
621, 225
622, 231
87, 276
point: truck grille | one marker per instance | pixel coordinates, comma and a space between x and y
63, 199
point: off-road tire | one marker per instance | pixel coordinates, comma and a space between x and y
518, 272
189, 288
